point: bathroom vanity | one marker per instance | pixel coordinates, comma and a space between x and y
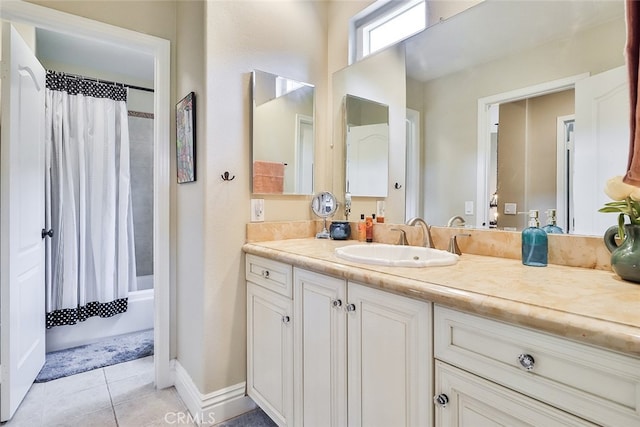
487, 341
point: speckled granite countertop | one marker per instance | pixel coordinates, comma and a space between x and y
591, 306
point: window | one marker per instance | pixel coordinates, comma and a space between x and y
384, 23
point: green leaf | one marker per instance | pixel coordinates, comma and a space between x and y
621, 227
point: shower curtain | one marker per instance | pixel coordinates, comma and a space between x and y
90, 259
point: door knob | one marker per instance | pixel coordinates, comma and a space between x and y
46, 233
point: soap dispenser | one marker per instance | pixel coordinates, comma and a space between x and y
551, 227
534, 243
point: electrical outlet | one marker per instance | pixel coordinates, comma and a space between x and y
257, 210
468, 207
510, 208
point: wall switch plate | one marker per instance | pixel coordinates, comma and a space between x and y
257, 210
510, 208
468, 207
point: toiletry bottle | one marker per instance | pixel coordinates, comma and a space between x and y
551, 227
362, 230
534, 243
369, 229
380, 217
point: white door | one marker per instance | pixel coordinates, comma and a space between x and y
22, 308
320, 350
601, 146
389, 375
368, 160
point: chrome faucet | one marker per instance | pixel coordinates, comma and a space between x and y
428, 241
453, 219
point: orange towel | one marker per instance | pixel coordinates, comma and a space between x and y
268, 177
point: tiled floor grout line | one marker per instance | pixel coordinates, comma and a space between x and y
113, 409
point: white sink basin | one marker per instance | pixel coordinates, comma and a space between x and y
396, 255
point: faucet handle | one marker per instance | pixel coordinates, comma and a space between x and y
403, 236
453, 243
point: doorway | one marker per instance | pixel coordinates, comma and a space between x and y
159, 50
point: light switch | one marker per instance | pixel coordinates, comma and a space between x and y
468, 207
257, 210
510, 208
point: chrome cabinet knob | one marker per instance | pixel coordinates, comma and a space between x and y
441, 400
286, 319
526, 361
336, 303
265, 274
351, 307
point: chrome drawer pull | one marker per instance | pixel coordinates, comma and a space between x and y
526, 361
336, 303
351, 307
265, 274
441, 400
286, 319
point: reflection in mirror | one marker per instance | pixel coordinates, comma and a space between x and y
283, 135
367, 147
453, 66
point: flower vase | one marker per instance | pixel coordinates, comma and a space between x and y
625, 259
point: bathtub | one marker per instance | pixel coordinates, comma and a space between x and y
138, 317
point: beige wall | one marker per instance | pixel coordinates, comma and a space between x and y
189, 198
375, 78
287, 38
450, 109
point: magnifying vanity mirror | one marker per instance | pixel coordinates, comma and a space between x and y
367, 147
324, 205
282, 135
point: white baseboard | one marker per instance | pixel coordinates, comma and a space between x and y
215, 407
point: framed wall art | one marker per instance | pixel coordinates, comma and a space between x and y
186, 138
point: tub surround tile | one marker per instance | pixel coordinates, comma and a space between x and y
585, 304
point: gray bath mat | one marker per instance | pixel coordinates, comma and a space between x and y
84, 358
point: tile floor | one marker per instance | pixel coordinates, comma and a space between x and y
115, 396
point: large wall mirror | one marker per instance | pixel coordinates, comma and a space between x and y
367, 147
282, 135
493, 111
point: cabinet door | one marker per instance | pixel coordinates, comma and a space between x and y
389, 359
270, 353
320, 396
470, 401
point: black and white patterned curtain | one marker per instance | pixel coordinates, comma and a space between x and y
90, 259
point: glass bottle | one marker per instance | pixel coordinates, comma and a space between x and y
534, 243
369, 229
551, 227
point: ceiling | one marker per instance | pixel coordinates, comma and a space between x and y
497, 28
93, 54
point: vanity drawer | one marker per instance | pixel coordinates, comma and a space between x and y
270, 274
599, 385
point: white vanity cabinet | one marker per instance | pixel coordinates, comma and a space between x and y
362, 355
270, 337
518, 376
